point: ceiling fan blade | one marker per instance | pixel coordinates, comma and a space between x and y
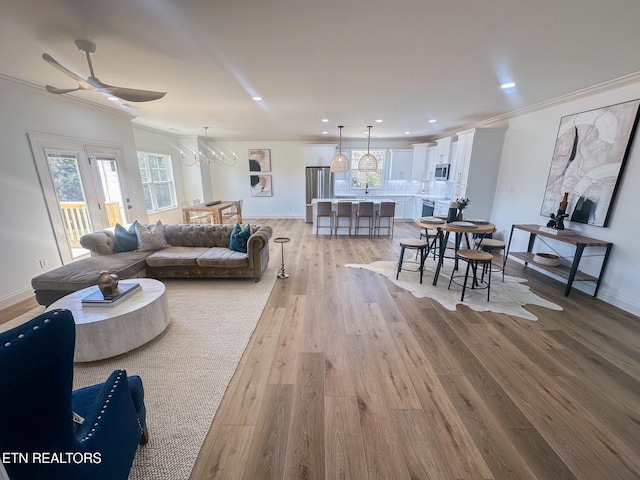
59, 91
129, 94
51, 61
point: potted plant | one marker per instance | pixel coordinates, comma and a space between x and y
462, 204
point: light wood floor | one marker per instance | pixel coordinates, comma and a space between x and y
349, 377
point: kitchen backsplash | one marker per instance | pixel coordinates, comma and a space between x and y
399, 187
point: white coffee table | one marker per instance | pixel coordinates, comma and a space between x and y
103, 332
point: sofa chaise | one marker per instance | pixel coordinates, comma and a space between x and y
193, 251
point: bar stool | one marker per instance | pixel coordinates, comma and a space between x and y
344, 210
324, 211
387, 210
474, 258
493, 245
365, 210
413, 244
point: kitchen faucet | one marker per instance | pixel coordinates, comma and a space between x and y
366, 188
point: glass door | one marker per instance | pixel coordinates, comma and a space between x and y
71, 199
82, 189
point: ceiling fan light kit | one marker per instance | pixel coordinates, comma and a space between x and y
93, 83
368, 162
340, 163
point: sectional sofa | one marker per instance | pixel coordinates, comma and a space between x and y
193, 251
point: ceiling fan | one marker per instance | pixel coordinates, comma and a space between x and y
92, 83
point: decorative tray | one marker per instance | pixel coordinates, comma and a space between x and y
434, 220
464, 224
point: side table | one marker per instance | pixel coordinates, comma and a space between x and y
282, 241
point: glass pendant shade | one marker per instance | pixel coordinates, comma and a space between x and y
340, 163
368, 162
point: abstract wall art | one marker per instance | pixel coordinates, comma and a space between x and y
588, 162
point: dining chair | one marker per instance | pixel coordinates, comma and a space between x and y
365, 210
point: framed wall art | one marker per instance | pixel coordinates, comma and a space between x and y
588, 161
259, 160
261, 186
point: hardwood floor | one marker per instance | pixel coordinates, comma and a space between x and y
350, 377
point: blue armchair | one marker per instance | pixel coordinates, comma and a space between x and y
38, 436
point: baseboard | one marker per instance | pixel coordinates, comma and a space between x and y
17, 297
618, 301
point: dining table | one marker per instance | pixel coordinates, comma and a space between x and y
461, 229
214, 209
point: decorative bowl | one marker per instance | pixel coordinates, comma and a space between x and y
547, 259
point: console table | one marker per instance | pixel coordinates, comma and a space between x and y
571, 273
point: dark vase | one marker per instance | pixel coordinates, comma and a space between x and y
460, 216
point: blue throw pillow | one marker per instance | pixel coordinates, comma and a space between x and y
126, 240
239, 238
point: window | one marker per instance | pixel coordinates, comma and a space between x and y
157, 181
367, 179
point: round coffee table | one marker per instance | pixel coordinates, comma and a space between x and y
107, 331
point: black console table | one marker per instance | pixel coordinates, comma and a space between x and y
571, 273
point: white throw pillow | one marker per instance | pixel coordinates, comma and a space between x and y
151, 238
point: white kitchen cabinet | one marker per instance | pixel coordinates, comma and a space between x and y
476, 169
441, 208
319, 155
432, 159
417, 208
445, 146
420, 151
401, 164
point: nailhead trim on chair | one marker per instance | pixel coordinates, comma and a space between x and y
104, 407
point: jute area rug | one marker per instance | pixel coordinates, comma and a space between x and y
509, 297
186, 369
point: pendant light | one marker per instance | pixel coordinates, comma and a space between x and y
340, 163
368, 162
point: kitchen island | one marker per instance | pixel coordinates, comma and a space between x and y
334, 207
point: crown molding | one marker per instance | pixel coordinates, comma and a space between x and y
40, 90
577, 95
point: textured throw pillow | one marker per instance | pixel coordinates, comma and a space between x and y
126, 240
239, 238
151, 238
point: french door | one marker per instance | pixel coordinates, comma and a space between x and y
82, 188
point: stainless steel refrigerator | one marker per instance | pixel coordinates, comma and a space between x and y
319, 185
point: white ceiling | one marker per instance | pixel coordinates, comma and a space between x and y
350, 61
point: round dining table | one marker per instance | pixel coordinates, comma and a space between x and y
460, 229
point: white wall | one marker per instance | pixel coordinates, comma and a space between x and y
526, 160
26, 235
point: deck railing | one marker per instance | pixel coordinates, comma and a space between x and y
76, 219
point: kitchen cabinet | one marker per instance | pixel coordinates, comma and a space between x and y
445, 147
319, 155
432, 159
441, 208
476, 167
401, 165
420, 151
417, 208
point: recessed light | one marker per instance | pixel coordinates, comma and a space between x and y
379, 121
256, 98
433, 120
325, 120
407, 133
507, 85
113, 99
325, 133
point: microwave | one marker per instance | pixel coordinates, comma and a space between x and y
442, 171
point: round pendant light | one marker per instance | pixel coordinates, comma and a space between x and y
340, 163
368, 162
